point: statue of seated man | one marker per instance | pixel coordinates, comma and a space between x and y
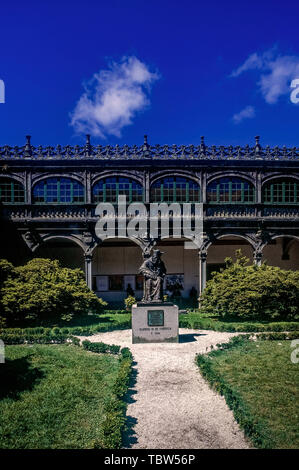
153, 270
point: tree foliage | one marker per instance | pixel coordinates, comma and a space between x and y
43, 288
251, 292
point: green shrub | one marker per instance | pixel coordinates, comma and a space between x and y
123, 377
126, 353
43, 288
185, 324
100, 347
129, 301
251, 292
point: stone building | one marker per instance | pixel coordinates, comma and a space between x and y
249, 195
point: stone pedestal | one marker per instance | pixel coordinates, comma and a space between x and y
155, 323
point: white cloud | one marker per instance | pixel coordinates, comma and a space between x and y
254, 61
277, 72
113, 97
246, 113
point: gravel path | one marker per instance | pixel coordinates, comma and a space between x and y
170, 405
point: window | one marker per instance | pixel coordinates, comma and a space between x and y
11, 191
58, 190
108, 190
175, 189
116, 282
281, 192
230, 190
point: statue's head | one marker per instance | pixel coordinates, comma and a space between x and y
156, 255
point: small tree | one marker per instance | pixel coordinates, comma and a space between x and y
251, 292
43, 288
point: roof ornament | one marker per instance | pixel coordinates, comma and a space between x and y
87, 147
28, 147
258, 147
146, 148
202, 145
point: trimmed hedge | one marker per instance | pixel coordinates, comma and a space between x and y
39, 338
100, 348
78, 330
211, 324
279, 336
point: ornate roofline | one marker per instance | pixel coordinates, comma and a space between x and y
148, 152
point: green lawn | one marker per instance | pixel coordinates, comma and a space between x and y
261, 385
52, 396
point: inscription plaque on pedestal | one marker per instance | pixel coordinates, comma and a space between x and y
155, 323
155, 318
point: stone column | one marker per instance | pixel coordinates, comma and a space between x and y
203, 186
88, 269
257, 257
202, 270
28, 187
146, 187
88, 187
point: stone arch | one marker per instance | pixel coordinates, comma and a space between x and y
68, 249
37, 178
285, 252
213, 252
115, 264
233, 174
277, 176
222, 235
122, 174
71, 238
180, 173
17, 178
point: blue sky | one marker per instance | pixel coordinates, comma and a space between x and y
174, 70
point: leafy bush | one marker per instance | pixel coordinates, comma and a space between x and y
129, 301
250, 291
43, 288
